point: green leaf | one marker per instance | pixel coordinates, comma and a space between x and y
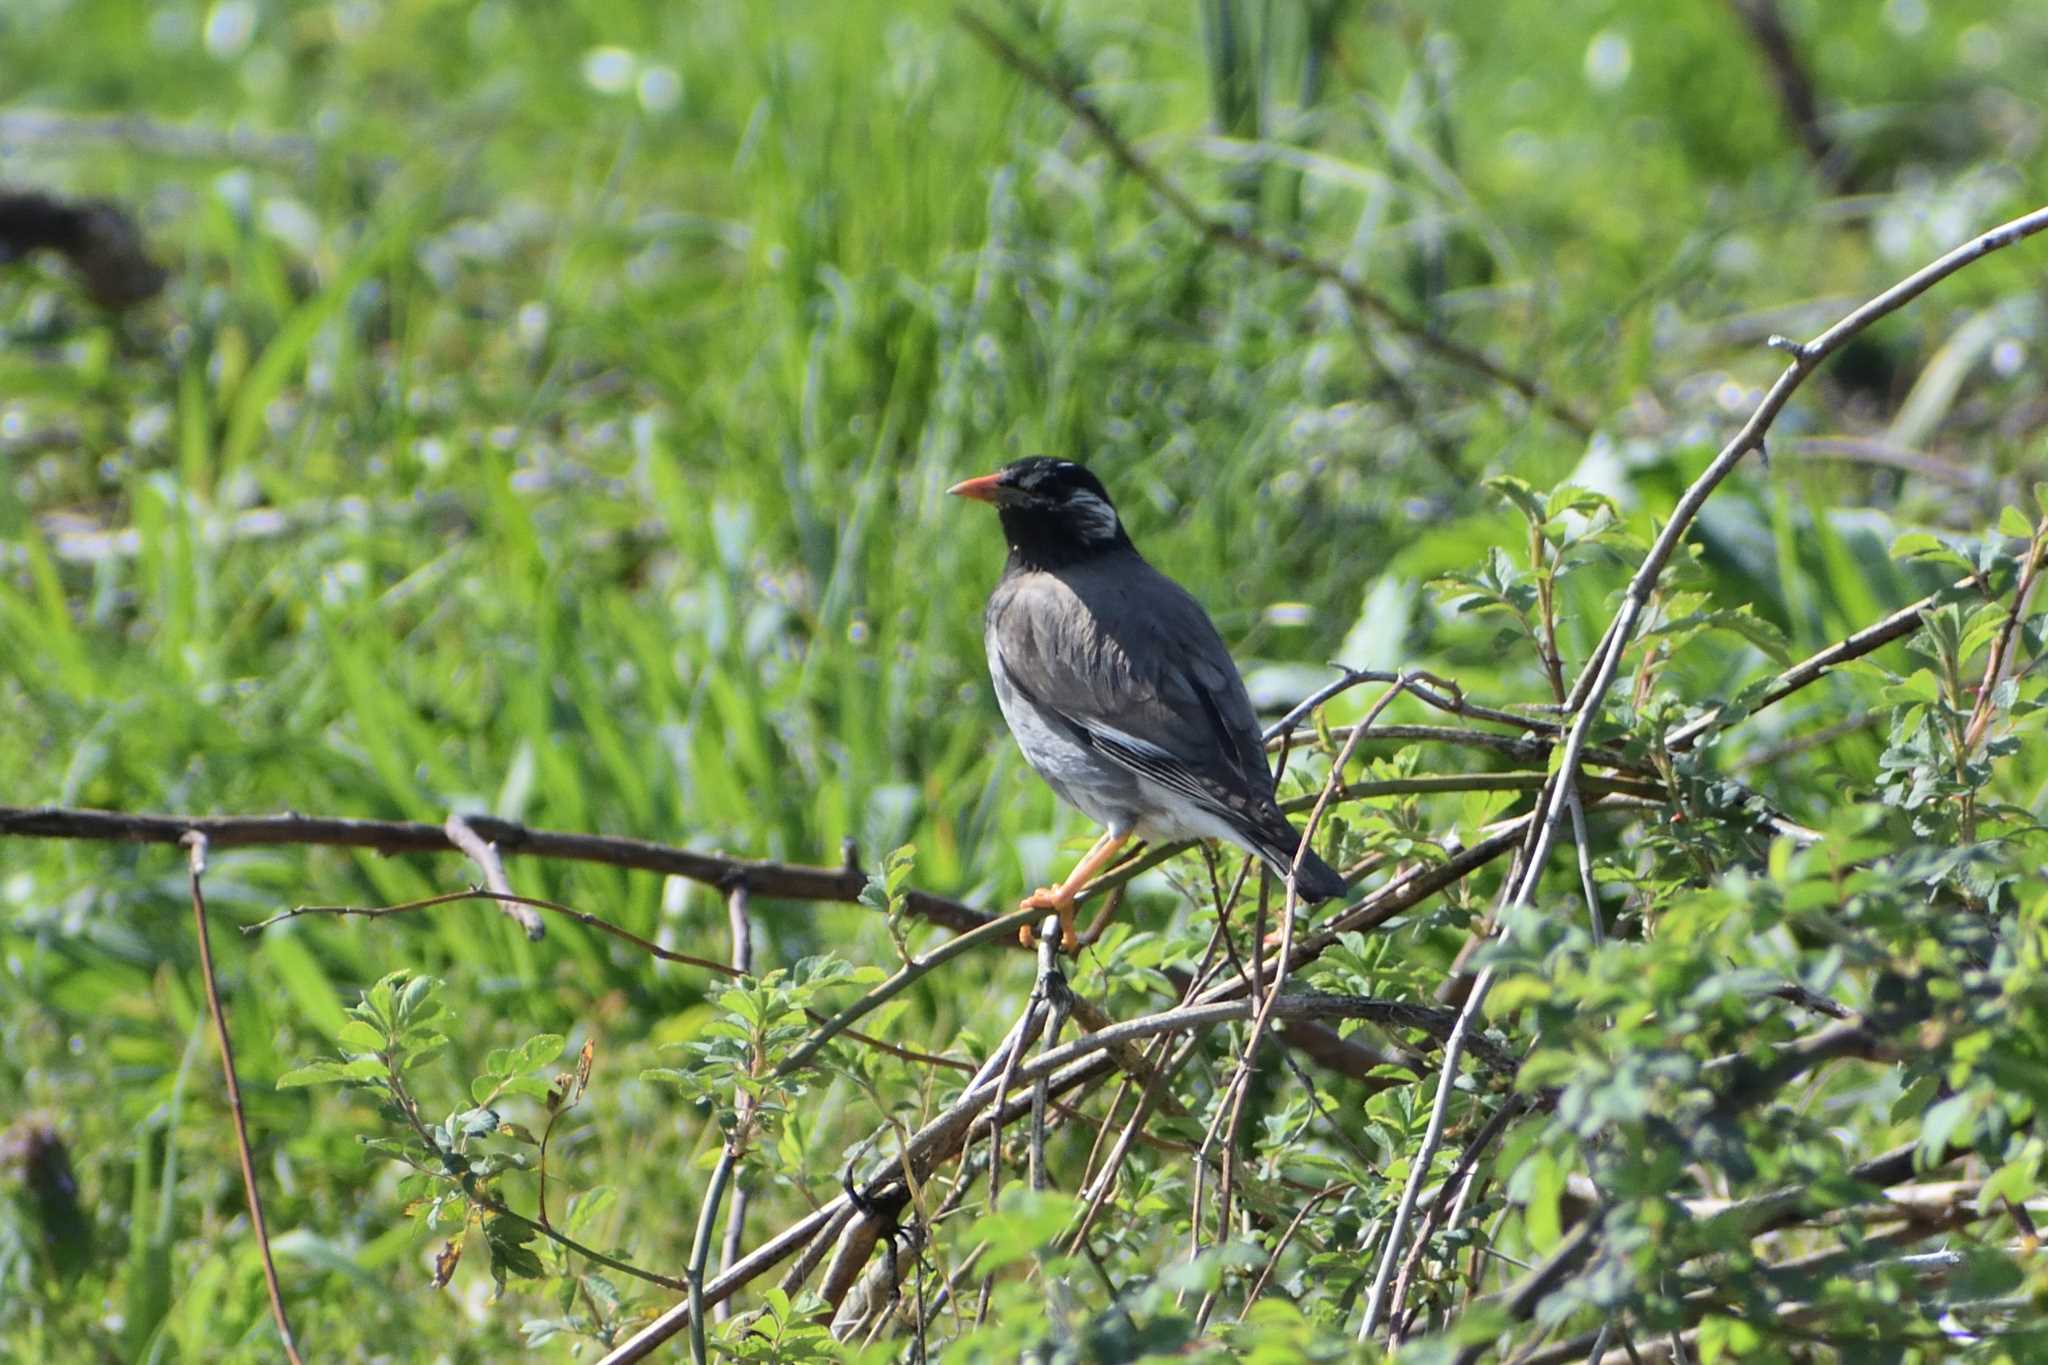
1725, 1336
313, 1073
1521, 494
2016, 1180
537, 1051
1940, 1125
1914, 1098
1922, 545
510, 1254
1572, 498
358, 1036
418, 992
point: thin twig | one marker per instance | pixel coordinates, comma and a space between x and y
1053, 988
1589, 692
195, 862
1252, 244
1449, 1210
998, 929
1806, 357
1432, 1139
584, 917
767, 880
741, 924
1239, 1088
1814, 667
485, 856
1998, 665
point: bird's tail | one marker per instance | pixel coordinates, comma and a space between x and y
1317, 880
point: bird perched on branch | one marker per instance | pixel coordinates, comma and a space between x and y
1118, 689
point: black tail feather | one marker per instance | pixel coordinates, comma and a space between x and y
1318, 881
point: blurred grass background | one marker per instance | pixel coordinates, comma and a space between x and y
549, 413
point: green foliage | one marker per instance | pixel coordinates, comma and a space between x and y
549, 413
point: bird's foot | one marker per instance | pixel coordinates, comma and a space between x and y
1057, 900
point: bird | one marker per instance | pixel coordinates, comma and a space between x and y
1119, 691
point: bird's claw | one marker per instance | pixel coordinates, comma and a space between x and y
1050, 898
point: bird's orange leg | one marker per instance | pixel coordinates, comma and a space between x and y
1061, 898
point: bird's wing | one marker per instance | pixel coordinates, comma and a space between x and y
1131, 664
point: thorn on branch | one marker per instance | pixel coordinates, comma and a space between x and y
1798, 350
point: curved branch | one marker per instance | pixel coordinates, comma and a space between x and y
774, 881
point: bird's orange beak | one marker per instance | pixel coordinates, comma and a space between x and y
982, 489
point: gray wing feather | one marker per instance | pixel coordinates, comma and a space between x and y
1132, 663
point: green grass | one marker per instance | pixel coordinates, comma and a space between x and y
612, 441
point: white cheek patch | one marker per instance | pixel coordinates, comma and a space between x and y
1093, 518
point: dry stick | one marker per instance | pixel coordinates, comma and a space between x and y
1002, 1064
1999, 665
1406, 892
1026, 1030
1442, 694
1798, 744
195, 861
801, 1269
1252, 244
1281, 731
1865, 450
939, 1140
1426, 784
485, 856
1449, 1212
1432, 1138
1280, 1245
1053, 986
774, 881
477, 893
899, 981
1805, 358
1590, 691
1063, 1068
1097, 1182
1441, 784
1240, 1083
1531, 746
1204, 1153
1586, 887
39, 129
742, 927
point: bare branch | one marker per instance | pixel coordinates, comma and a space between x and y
1249, 243
774, 881
195, 849
485, 856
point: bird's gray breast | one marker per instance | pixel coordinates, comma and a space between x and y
1082, 777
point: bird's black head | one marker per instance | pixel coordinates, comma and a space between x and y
1054, 512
